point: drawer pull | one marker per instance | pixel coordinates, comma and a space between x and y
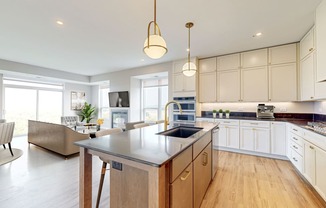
226, 122
311, 147
205, 159
183, 178
295, 129
295, 159
294, 147
295, 138
254, 123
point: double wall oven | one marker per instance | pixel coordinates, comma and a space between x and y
188, 115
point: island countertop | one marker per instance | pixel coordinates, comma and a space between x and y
144, 145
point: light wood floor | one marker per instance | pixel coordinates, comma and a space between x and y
41, 179
250, 181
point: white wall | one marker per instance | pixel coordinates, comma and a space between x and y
320, 107
69, 87
1, 95
281, 107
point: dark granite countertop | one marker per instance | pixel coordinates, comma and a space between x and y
144, 145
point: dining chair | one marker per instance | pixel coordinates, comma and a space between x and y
6, 134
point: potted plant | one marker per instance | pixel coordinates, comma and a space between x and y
220, 112
214, 113
87, 112
227, 113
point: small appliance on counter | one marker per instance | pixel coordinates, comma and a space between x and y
265, 111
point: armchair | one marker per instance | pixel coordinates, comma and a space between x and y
6, 134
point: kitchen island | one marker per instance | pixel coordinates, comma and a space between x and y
150, 170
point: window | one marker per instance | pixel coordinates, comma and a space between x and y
155, 95
26, 100
104, 110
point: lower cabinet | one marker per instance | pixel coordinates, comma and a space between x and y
278, 138
202, 174
181, 190
228, 136
321, 172
255, 139
309, 169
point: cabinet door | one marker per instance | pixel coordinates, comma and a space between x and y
283, 82
229, 62
278, 138
247, 141
321, 172
177, 66
309, 164
262, 140
229, 85
321, 41
222, 136
189, 83
178, 82
202, 174
233, 139
307, 44
254, 58
283, 54
207, 65
307, 80
254, 84
181, 189
207, 87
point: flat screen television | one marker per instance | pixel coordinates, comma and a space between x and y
119, 99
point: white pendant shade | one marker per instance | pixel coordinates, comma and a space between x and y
189, 69
157, 47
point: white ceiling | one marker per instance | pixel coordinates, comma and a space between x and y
102, 36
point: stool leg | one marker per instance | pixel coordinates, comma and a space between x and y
101, 184
4, 146
12, 154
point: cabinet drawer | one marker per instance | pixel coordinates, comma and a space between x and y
228, 122
296, 147
296, 130
201, 144
296, 160
262, 124
181, 189
295, 138
179, 163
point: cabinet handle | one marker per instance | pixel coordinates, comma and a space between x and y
295, 138
294, 129
294, 147
183, 178
254, 123
311, 97
295, 159
205, 159
226, 122
310, 49
311, 147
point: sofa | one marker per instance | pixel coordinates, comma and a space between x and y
55, 137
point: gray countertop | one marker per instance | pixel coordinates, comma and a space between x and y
144, 145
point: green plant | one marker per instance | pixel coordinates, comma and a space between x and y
214, 111
87, 112
220, 111
227, 111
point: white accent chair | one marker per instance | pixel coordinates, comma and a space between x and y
6, 134
105, 162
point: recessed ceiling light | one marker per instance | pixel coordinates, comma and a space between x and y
257, 34
59, 22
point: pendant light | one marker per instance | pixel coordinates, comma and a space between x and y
189, 68
154, 46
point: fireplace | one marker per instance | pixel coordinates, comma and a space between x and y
119, 118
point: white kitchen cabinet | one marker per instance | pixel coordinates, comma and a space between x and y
283, 82
228, 136
182, 83
321, 41
255, 139
254, 84
321, 172
254, 58
278, 138
307, 43
228, 62
207, 65
282, 54
247, 140
309, 167
178, 82
307, 79
228, 85
207, 87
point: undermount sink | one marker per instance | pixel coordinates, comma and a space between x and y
180, 131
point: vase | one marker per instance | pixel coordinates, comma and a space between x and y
221, 115
227, 115
214, 115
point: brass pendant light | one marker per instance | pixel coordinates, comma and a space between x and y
189, 69
154, 46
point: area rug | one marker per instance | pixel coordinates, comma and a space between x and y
6, 157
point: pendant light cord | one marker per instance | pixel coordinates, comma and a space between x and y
155, 17
189, 46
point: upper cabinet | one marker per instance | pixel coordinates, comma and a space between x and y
207, 80
183, 85
254, 84
282, 54
307, 44
207, 65
254, 58
228, 62
321, 42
